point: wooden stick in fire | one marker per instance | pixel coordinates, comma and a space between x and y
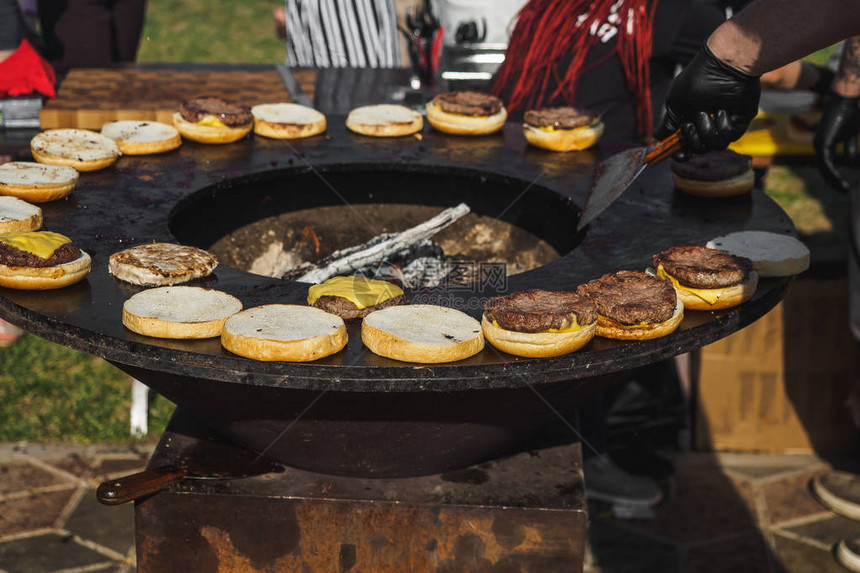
347, 260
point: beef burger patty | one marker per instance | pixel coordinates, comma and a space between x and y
469, 103
15, 257
347, 310
228, 111
713, 166
559, 117
631, 297
540, 310
701, 267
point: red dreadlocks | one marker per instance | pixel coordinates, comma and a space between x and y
550, 32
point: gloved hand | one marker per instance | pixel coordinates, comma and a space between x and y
840, 123
711, 102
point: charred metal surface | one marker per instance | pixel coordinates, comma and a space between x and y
523, 513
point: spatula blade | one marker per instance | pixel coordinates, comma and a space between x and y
611, 178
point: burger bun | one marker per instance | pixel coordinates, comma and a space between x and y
537, 344
18, 215
210, 133
461, 124
36, 182
45, 278
384, 120
608, 328
575, 139
142, 137
731, 187
287, 121
772, 254
181, 312
78, 148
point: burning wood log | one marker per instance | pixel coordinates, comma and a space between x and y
377, 249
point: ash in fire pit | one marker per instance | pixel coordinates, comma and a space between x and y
277, 245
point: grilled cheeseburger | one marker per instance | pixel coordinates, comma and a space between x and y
211, 119
562, 128
539, 323
706, 279
40, 260
632, 305
354, 297
466, 113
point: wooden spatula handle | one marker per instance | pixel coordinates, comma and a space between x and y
664, 149
128, 488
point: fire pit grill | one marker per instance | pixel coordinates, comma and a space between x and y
200, 193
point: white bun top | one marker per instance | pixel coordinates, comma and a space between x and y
764, 249
29, 173
385, 114
288, 113
283, 322
138, 131
14, 209
425, 324
183, 304
78, 144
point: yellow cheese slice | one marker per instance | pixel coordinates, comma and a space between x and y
361, 291
40, 243
551, 128
211, 121
709, 295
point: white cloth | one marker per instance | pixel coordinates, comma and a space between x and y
499, 14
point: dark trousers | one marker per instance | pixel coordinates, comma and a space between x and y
91, 33
854, 266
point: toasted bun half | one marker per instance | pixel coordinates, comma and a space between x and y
284, 332
726, 297
384, 120
79, 148
287, 120
18, 215
575, 139
772, 254
460, 124
422, 333
142, 137
608, 328
45, 278
179, 312
210, 133
737, 185
37, 182
161, 264
537, 344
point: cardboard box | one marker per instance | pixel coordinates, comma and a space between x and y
780, 385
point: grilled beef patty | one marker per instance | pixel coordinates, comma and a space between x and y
558, 117
713, 166
15, 257
468, 103
631, 297
228, 111
539, 310
347, 310
701, 267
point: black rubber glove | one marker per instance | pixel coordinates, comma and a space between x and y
840, 123
711, 103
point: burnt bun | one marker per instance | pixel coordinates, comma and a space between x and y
538, 323
466, 113
714, 174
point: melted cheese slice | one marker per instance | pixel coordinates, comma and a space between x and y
572, 328
360, 291
40, 243
551, 128
709, 295
211, 121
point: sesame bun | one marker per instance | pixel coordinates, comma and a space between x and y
772, 254
422, 333
384, 120
179, 312
18, 215
210, 133
737, 185
287, 120
460, 124
284, 332
79, 148
575, 139
608, 328
161, 264
142, 137
45, 278
37, 182
537, 344
726, 297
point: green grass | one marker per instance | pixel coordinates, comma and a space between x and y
52, 393
211, 31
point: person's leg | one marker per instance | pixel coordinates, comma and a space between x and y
78, 33
128, 19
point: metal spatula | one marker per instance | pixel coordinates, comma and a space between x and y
614, 175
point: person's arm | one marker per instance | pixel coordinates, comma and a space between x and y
10, 28
716, 96
840, 119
